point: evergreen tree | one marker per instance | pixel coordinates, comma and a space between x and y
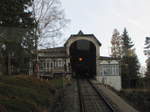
15, 13
127, 43
130, 65
147, 53
16, 23
147, 74
130, 71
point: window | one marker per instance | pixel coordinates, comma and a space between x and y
109, 69
59, 64
47, 65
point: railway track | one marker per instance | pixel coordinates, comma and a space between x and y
90, 99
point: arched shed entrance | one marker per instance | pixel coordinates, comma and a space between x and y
84, 52
83, 58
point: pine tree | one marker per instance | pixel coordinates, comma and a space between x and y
130, 70
147, 74
130, 65
116, 41
127, 43
147, 53
15, 13
16, 23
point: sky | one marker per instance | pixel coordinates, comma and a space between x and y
101, 17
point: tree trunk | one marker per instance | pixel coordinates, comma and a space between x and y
9, 64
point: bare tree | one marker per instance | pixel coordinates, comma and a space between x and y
116, 49
50, 20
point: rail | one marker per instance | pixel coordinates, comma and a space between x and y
90, 98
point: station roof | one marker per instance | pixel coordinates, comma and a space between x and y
52, 52
80, 33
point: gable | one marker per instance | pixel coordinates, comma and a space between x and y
82, 36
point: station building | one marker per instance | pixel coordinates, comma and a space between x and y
81, 56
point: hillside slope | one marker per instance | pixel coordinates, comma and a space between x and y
26, 93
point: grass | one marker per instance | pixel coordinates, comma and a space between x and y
26, 93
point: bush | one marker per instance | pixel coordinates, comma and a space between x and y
138, 97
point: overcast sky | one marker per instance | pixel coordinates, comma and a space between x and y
101, 17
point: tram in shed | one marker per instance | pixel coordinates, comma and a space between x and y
83, 58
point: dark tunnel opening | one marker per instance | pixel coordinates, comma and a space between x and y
83, 58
